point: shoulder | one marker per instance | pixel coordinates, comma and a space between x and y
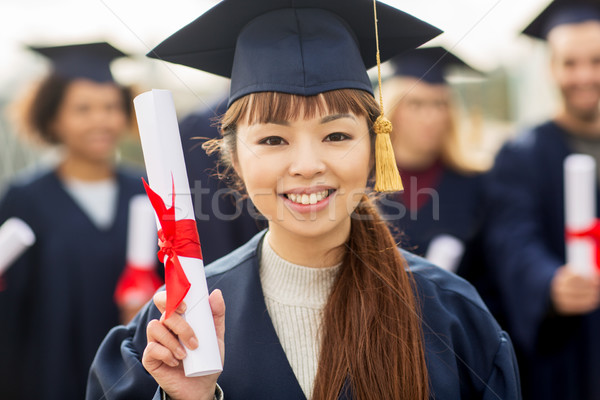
131, 173
547, 134
29, 182
438, 288
466, 350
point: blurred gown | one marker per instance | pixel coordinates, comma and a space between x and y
57, 303
224, 221
559, 356
440, 201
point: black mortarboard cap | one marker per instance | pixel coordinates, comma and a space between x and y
429, 64
300, 47
88, 60
561, 12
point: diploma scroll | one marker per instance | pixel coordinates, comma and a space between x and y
15, 237
580, 212
139, 280
165, 165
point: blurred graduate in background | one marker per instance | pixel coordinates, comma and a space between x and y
440, 213
58, 297
552, 311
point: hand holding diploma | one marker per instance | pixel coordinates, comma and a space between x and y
15, 237
575, 288
162, 357
170, 196
139, 279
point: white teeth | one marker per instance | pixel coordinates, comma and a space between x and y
306, 199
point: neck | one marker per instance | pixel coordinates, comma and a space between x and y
589, 127
86, 170
314, 252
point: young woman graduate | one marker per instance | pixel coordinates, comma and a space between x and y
57, 300
322, 305
440, 213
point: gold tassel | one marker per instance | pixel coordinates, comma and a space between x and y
387, 177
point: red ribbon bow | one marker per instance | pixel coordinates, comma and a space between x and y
176, 238
593, 233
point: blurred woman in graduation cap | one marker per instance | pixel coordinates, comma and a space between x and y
322, 304
552, 308
440, 212
57, 300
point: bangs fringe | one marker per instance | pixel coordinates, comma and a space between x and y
267, 107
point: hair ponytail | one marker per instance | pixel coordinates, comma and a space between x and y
371, 325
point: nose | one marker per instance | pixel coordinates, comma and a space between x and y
306, 161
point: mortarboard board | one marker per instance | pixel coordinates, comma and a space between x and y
89, 60
429, 64
300, 47
561, 12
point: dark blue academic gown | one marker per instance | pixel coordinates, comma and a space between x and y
57, 304
559, 356
467, 354
453, 207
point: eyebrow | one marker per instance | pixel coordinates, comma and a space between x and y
334, 117
324, 120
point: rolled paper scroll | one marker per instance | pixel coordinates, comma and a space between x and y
171, 197
580, 212
445, 251
139, 279
15, 237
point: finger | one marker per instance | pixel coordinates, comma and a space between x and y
157, 332
155, 355
179, 326
160, 301
217, 305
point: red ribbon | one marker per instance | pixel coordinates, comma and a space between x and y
136, 285
176, 238
592, 233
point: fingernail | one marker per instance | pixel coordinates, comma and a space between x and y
193, 343
182, 307
174, 363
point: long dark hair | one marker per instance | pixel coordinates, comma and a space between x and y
371, 327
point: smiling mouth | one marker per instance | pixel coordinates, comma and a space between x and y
309, 199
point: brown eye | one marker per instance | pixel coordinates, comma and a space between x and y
336, 137
272, 141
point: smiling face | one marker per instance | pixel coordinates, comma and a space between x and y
576, 67
306, 174
90, 119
